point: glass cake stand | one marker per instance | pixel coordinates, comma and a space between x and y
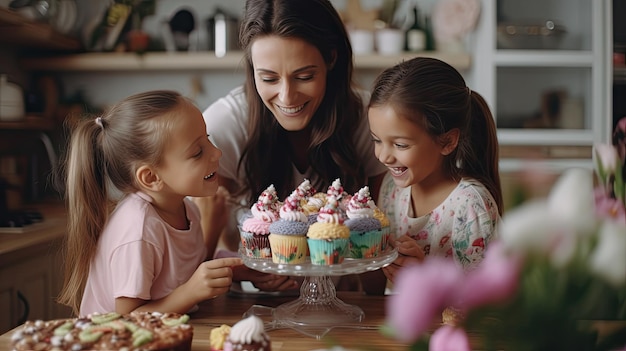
318, 309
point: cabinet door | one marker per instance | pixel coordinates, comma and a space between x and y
8, 301
34, 288
542, 65
26, 292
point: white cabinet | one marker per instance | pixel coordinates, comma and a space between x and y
546, 89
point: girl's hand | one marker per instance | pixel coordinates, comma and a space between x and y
264, 281
212, 278
408, 253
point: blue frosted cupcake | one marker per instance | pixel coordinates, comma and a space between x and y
366, 233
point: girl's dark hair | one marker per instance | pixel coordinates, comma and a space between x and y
433, 94
266, 157
103, 155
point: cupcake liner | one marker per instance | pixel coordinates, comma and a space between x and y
386, 238
327, 252
255, 245
365, 244
288, 248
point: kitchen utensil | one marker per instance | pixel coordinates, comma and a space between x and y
546, 35
223, 30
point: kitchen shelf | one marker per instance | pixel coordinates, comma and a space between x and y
181, 61
20, 31
543, 58
30, 122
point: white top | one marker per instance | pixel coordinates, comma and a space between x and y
139, 255
459, 228
227, 119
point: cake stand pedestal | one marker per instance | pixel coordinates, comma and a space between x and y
318, 309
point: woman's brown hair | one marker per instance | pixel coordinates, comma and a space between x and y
266, 158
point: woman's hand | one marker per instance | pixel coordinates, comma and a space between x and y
408, 253
264, 281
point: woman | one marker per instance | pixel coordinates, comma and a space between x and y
298, 114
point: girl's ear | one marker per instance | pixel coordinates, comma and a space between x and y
148, 179
449, 141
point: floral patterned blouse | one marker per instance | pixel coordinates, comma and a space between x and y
460, 227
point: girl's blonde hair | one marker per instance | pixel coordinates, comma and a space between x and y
102, 157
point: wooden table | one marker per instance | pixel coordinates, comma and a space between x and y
229, 309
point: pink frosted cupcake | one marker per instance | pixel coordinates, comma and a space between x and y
305, 189
288, 234
255, 230
336, 190
365, 231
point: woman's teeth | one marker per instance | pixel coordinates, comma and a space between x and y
290, 109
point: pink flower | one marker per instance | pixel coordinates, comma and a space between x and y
422, 292
495, 278
449, 338
608, 207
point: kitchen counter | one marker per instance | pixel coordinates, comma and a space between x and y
35, 239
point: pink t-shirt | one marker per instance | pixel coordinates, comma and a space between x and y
141, 256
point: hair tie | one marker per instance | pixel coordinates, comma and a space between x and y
99, 122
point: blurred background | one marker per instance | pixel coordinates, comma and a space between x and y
551, 70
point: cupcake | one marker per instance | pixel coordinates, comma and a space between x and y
384, 226
329, 237
248, 335
305, 189
336, 190
218, 337
365, 230
312, 205
254, 230
288, 234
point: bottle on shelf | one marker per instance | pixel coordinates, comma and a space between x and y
415, 35
430, 38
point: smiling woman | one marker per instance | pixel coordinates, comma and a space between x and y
298, 115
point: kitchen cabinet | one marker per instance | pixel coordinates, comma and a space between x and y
544, 67
31, 272
26, 291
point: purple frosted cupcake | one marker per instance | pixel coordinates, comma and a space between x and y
365, 231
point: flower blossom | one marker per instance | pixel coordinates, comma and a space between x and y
494, 280
608, 260
449, 338
422, 293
